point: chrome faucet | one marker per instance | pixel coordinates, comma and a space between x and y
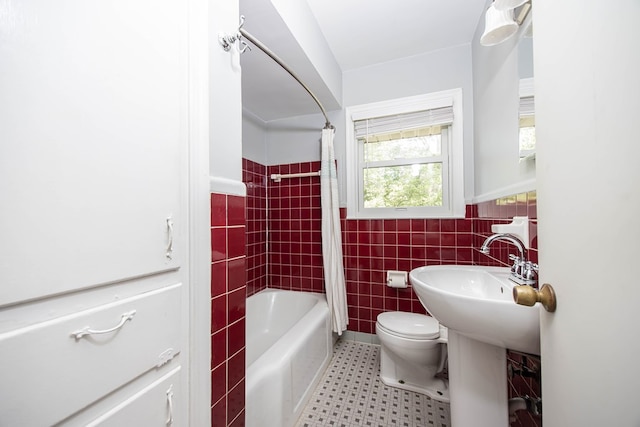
523, 272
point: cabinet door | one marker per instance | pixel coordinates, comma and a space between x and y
92, 143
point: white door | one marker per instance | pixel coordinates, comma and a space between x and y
587, 71
93, 206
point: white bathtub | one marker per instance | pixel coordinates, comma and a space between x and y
289, 345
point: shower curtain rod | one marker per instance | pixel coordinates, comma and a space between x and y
275, 57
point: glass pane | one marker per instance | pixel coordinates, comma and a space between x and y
424, 142
527, 133
403, 186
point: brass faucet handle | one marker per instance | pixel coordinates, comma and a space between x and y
526, 295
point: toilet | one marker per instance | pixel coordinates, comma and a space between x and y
413, 352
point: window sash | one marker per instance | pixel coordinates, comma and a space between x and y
402, 162
443, 159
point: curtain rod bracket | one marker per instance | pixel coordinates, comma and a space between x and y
227, 41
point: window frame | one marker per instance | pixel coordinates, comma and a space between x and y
453, 161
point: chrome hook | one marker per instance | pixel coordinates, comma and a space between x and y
245, 46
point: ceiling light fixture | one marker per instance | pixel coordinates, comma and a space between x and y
499, 26
508, 4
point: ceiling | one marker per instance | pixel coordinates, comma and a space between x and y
359, 33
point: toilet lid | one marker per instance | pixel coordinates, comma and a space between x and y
409, 325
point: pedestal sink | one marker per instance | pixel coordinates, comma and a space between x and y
476, 304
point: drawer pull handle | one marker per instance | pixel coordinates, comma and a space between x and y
88, 331
170, 403
169, 252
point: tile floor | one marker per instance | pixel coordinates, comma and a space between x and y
351, 394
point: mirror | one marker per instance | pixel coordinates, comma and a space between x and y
496, 76
527, 118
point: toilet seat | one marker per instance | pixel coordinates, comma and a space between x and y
409, 325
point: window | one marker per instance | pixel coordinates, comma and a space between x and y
405, 158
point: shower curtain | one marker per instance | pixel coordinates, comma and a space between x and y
331, 236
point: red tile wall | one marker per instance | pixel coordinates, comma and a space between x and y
370, 247
254, 175
228, 301
501, 211
295, 241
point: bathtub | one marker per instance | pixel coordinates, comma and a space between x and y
289, 345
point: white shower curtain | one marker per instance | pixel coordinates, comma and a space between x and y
331, 236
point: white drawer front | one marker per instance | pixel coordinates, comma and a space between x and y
48, 374
156, 405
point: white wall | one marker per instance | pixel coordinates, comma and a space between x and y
303, 26
498, 171
291, 140
254, 138
525, 58
225, 100
430, 72
297, 139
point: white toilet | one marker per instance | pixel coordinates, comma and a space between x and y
413, 351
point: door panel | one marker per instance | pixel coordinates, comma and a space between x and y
587, 63
93, 123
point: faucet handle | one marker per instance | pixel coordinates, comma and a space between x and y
531, 266
516, 267
530, 273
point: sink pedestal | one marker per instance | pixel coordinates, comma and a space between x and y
477, 383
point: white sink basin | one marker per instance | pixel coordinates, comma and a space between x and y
477, 302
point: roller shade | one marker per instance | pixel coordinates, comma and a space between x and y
527, 106
406, 121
